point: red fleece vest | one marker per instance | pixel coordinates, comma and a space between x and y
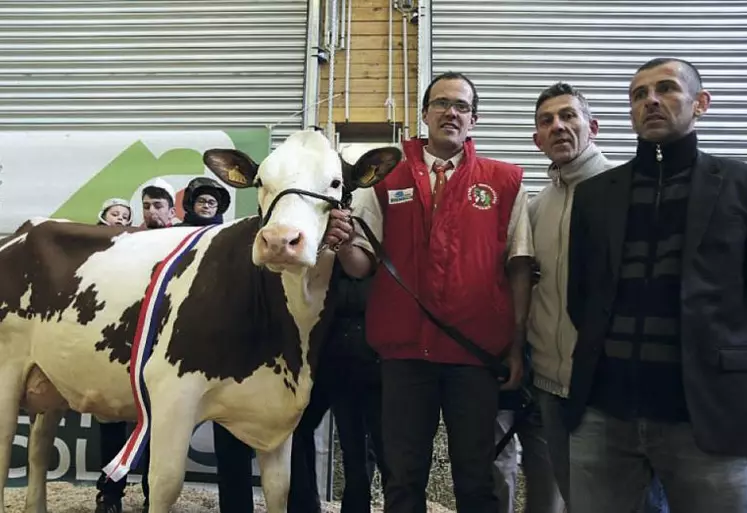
454, 259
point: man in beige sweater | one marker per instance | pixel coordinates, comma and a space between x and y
565, 132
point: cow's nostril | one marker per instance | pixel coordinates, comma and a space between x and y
296, 241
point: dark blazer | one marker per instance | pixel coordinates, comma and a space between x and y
713, 296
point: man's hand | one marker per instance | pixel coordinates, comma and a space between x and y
339, 229
355, 261
515, 362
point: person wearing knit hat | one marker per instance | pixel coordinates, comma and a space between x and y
115, 212
204, 202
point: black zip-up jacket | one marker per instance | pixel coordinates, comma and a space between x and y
712, 298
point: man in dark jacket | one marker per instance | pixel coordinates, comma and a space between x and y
204, 202
348, 380
656, 290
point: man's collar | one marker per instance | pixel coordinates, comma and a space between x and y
588, 163
432, 159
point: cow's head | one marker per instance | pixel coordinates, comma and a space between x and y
297, 185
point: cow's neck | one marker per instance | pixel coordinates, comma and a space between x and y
305, 294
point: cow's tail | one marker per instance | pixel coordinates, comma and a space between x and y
11, 390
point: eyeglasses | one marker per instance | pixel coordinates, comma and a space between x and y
444, 104
207, 202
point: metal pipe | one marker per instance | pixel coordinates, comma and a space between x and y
389, 98
394, 124
311, 88
347, 59
333, 37
343, 23
405, 21
406, 9
424, 56
326, 24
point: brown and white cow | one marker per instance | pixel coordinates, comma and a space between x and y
240, 324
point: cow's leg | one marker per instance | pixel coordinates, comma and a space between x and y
11, 386
173, 420
274, 468
41, 441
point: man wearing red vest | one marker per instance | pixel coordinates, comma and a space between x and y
455, 226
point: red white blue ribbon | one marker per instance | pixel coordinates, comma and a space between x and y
142, 346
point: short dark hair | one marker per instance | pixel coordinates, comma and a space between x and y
450, 75
691, 74
561, 89
158, 193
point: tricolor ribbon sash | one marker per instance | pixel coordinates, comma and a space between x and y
142, 346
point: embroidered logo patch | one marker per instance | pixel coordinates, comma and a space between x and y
400, 195
482, 196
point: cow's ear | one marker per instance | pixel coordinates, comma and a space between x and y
371, 168
233, 167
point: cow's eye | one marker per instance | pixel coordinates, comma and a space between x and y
335, 184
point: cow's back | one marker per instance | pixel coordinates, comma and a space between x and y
69, 300
41, 269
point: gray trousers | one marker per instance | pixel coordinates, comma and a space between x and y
613, 461
542, 494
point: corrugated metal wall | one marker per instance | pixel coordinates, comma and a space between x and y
152, 64
515, 48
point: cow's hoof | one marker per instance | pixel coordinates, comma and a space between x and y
106, 504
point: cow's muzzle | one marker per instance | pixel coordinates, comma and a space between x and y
284, 242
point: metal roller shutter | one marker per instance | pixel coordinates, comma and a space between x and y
515, 48
152, 64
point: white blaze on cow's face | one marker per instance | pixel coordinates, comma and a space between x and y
296, 226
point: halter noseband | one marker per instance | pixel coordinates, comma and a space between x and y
347, 198
334, 203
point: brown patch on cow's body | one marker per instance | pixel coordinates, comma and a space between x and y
290, 386
40, 394
184, 262
45, 264
87, 305
13, 284
117, 337
320, 332
235, 318
24, 228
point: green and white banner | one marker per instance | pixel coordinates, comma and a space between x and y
70, 174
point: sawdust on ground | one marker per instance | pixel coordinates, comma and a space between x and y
69, 498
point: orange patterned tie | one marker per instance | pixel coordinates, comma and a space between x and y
438, 189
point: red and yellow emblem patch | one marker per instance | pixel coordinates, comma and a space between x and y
482, 196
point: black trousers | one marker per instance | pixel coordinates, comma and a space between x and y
414, 393
112, 437
235, 487
352, 390
234, 457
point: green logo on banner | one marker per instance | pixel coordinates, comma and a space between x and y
137, 164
